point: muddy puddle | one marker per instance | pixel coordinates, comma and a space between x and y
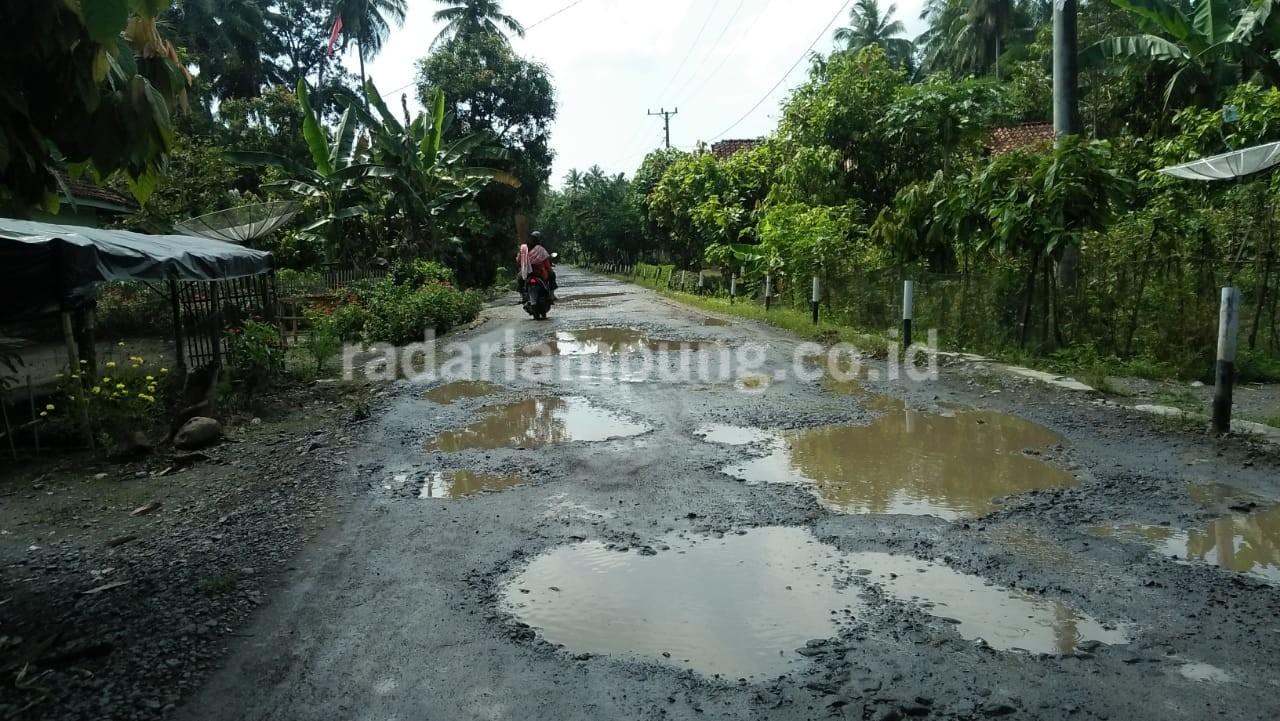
742, 605
461, 390
738, 606
609, 341
536, 423
949, 466
586, 298
459, 484
732, 435
1006, 619
716, 322
1243, 543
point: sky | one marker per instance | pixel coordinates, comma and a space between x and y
614, 61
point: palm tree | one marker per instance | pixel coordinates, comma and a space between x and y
985, 27
368, 22
472, 17
871, 26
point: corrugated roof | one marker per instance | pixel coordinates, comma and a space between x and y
1019, 137
726, 149
84, 189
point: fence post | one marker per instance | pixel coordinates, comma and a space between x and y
1228, 330
908, 292
684, 275
813, 299
768, 291
733, 287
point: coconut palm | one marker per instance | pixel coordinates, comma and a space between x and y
869, 25
471, 17
368, 22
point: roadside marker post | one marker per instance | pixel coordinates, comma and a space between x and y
733, 287
908, 291
1228, 331
813, 299
768, 291
701, 281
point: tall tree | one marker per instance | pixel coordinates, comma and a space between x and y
474, 17
368, 23
869, 25
228, 43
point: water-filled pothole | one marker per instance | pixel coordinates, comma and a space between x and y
609, 341
950, 466
1241, 543
574, 299
738, 606
538, 422
741, 606
1006, 619
459, 390
716, 322
457, 484
732, 435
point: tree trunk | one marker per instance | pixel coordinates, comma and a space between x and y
363, 81
1029, 293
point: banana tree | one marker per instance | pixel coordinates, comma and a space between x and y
1208, 52
429, 175
338, 182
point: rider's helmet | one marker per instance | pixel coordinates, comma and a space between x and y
535, 239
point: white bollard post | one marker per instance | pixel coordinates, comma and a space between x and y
768, 290
813, 299
908, 292
733, 287
1228, 331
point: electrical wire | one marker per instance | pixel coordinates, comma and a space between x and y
714, 43
724, 60
570, 6
783, 79
692, 46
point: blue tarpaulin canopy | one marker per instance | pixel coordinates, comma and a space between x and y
44, 264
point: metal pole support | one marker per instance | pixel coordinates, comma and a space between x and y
1228, 331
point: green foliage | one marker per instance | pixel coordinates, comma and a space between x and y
89, 85
127, 397
255, 355
384, 311
595, 217
131, 309
322, 340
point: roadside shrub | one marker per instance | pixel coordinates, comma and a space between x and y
322, 341
299, 282
418, 273
384, 311
255, 355
128, 397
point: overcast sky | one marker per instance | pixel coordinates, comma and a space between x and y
614, 60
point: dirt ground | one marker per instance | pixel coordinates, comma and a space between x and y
581, 537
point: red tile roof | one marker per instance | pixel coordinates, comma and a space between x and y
1020, 137
726, 149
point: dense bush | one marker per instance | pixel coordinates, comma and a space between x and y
384, 311
129, 308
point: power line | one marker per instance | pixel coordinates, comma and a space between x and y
570, 6
727, 55
714, 43
666, 122
692, 46
783, 79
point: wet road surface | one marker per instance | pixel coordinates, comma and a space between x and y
656, 518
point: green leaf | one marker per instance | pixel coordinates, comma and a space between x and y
1132, 47
313, 133
343, 148
1165, 15
1212, 20
437, 117
143, 185
104, 19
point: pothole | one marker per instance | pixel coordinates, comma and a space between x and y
1243, 543
1213, 493
459, 484
459, 390
716, 322
536, 423
732, 435
1005, 619
1196, 671
610, 341
738, 606
745, 606
949, 466
585, 297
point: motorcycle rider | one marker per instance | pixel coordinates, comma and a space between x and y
538, 262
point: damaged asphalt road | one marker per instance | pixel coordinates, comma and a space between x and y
591, 547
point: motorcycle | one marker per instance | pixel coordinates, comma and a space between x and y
536, 296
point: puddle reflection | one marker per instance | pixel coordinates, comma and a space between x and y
538, 422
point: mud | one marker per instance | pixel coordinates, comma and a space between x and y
950, 466
459, 484
460, 390
716, 322
537, 423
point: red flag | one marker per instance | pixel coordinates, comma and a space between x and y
333, 35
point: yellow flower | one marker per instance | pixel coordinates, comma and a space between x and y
72, 397
151, 388
75, 375
147, 398
121, 344
44, 414
164, 370
151, 378
84, 362
111, 364
48, 407
58, 374
137, 365
97, 390
106, 379
120, 386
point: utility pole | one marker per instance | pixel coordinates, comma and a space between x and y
1066, 109
666, 121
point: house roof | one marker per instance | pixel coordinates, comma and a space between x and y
85, 192
1019, 137
726, 149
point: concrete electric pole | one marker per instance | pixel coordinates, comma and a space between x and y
666, 122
